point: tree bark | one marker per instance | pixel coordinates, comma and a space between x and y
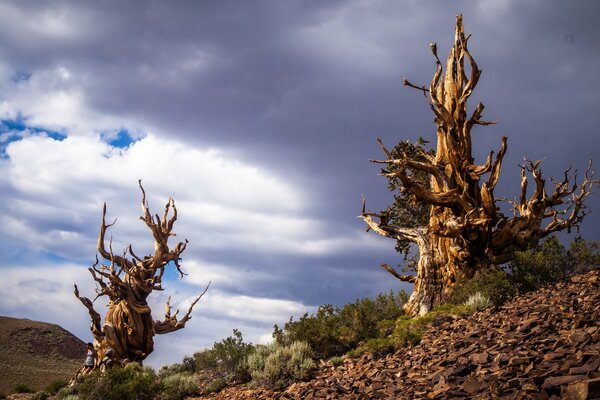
128, 327
466, 231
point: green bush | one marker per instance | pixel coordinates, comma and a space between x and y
493, 284
409, 331
179, 386
22, 388
278, 366
336, 361
379, 346
132, 382
552, 262
215, 386
355, 353
168, 370
53, 387
226, 358
335, 330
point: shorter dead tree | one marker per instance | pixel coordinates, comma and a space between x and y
127, 281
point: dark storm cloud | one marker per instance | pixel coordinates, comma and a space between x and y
303, 88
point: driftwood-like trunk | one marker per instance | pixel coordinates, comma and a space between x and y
128, 280
466, 231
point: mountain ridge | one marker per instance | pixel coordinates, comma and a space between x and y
35, 353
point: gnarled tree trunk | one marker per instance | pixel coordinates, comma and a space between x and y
128, 327
466, 231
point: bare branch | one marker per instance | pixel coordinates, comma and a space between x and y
421, 88
94, 315
171, 323
403, 278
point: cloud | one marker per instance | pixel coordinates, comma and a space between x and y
260, 120
45, 293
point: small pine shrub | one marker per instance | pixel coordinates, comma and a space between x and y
179, 386
215, 386
226, 359
132, 382
53, 387
408, 331
335, 330
478, 302
551, 262
22, 388
336, 361
493, 284
168, 370
379, 347
355, 353
278, 366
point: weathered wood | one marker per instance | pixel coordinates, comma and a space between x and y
128, 327
467, 232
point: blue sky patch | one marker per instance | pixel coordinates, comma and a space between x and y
122, 139
13, 130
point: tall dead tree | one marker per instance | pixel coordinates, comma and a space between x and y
127, 281
448, 201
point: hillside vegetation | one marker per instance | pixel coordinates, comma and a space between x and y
542, 344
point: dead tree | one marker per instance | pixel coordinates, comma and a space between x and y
127, 281
464, 230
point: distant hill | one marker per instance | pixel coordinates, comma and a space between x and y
36, 353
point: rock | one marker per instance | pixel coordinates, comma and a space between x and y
537, 346
561, 380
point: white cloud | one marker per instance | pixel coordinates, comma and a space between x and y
45, 293
57, 190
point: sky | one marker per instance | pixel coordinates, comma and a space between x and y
259, 118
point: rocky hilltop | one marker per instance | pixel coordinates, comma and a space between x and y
36, 353
542, 345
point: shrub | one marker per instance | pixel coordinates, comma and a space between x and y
478, 302
493, 284
215, 386
179, 386
379, 347
335, 330
278, 366
53, 387
132, 382
336, 361
551, 262
168, 370
409, 331
355, 353
22, 388
40, 396
226, 358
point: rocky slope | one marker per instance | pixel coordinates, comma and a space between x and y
36, 353
543, 345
